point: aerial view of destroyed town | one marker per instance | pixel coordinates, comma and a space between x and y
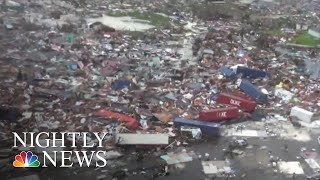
159, 89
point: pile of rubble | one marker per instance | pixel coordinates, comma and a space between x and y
165, 88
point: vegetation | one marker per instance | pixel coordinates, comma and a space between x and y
155, 19
136, 34
80, 73
213, 11
275, 32
140, 35
262, 40
306, 39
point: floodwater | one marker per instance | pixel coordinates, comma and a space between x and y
126, 23
253, 164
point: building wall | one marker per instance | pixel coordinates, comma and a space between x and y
304, 27
314, 33
298, 26
301, 27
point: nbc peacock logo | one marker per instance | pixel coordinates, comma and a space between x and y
26, 159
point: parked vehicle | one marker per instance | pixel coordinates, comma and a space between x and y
239, 143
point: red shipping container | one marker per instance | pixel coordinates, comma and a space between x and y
242, 95
245, 104
219, 114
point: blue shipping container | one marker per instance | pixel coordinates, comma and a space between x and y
209, 128
253, 91
251, 73
227, 72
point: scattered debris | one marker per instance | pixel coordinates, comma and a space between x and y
176, 158
216, 167
292, 167
227, 81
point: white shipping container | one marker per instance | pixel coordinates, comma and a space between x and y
142, 139
302, 114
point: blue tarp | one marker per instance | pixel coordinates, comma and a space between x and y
227, 72
121, 84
